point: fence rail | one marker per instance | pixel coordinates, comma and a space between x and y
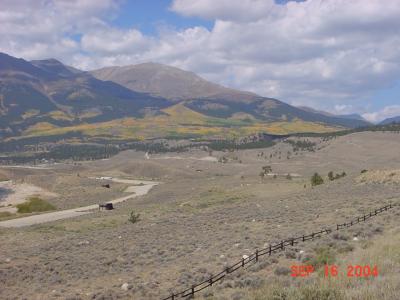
272, 248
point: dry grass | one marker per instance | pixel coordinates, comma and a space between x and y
383, 252
380, 176
197, 223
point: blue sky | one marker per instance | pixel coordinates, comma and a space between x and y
334, 55
148, 16
151, 16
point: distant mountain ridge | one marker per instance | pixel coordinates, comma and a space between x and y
390, 121
346, 116
209, 98
44, 97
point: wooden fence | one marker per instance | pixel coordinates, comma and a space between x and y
254, 257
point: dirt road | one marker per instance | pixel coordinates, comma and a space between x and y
138, 188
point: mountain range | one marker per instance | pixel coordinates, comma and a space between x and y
346, 116
390, 121
48, 98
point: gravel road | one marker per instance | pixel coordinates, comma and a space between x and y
139, 188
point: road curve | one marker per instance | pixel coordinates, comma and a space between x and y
139, 188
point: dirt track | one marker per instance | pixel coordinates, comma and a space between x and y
139, 188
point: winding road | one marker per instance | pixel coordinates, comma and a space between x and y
138, 188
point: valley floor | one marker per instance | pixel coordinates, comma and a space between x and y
206, 215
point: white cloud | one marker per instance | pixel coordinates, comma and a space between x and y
117, 41
244, 10
42, 29
319, 53
342, 109
316, 53
387, 112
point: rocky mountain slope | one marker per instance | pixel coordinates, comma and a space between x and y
46, 97
48, 91
169, 82
212, 99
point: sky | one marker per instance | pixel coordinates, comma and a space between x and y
335, 55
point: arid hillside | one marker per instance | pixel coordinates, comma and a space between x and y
209, 210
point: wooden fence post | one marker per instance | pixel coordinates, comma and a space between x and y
280, 246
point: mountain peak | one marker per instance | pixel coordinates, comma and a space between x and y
56, 67
170, 82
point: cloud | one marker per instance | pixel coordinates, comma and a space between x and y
42, 29
117, 41
387, 112
318, 53
342, 109
245, 10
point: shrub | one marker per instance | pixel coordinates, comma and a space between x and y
279, 294
282, 271
133, 218
320, 293
324, 256
316, 179
267, 169
5, 214
345, 247
340, 175
364, 171
337, 176
35, 204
